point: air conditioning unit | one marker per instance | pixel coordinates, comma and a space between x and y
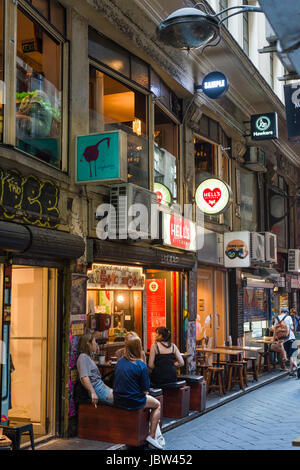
133, 206
270, 247
294, 261
257, 248
255, 159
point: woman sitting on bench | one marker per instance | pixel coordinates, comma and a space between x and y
88, 371
163, 355
131, 384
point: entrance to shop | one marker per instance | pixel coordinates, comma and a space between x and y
33, 347
211, 307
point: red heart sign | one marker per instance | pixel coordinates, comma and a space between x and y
212, 196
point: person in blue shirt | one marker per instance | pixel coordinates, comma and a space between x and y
132, 384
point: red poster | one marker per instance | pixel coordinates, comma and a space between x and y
156, 307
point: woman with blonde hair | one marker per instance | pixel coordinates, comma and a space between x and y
131, 384
88, 371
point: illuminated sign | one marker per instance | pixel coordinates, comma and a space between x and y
163, 194
178, 232
111, 277
214, 85
292, 108
213, 196
264, 126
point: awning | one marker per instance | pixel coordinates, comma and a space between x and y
36, 241
251, 280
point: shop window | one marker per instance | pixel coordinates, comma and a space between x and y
248, 201
205, 159
39, 92
1, 69
114, 106
165, 95
165, 152
52, 11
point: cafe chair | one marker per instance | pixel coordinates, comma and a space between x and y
264, 360
235, 375
215, 380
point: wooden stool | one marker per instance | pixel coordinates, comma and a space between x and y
225, 365
215, 373
253, 370
245, 373
263, 356
176, 401
202, 369
14, 431
237, 376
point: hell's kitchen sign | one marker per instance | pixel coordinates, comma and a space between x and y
178, 232
110, 277
213, 196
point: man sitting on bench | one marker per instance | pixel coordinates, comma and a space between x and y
88, 371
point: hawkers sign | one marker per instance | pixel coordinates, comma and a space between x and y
264, 126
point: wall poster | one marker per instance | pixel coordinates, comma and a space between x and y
156, 307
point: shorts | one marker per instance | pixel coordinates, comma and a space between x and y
288, 346
102, 391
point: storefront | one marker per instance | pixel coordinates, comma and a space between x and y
32, 292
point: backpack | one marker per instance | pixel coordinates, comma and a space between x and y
281, 329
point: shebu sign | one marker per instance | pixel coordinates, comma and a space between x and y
264, 126
214, 85
213, 196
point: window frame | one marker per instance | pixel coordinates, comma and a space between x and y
135, 87
179, 168
10, 60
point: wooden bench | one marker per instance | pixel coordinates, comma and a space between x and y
176, 399
198, 391
108, 423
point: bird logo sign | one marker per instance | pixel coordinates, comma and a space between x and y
99, 155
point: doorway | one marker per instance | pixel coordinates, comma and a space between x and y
33, 347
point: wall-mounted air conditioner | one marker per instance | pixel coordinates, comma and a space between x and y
257, 248
270, 247
133, 208
294, 261
255, 159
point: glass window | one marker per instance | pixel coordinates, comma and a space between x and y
165, 152
1, 70
109, 53
223, 4
248, 201
39, 92
115, 106
139, 71
205, 159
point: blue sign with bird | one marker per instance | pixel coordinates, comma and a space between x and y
101, 157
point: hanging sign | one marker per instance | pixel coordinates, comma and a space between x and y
292, 108
178, 232
237, 249
264, 126
101, 157
111, 277
213, 196
163, 194
214, 85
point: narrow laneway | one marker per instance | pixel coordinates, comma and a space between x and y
266, 419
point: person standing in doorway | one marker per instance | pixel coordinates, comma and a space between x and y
289, 339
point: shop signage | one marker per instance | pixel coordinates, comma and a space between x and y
214, 85
178, 232
156, 307
294, 282
110, 277
101, 157
237, 250
281, 281
163, 194
292, 108
264, 126
213, 196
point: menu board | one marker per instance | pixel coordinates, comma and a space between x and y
156, 307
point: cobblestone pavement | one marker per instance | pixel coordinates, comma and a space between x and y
265, 419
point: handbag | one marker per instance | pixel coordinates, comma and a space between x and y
159, 437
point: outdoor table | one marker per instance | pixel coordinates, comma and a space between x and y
266, 341
221, 350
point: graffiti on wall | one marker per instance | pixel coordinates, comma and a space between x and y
28, 199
